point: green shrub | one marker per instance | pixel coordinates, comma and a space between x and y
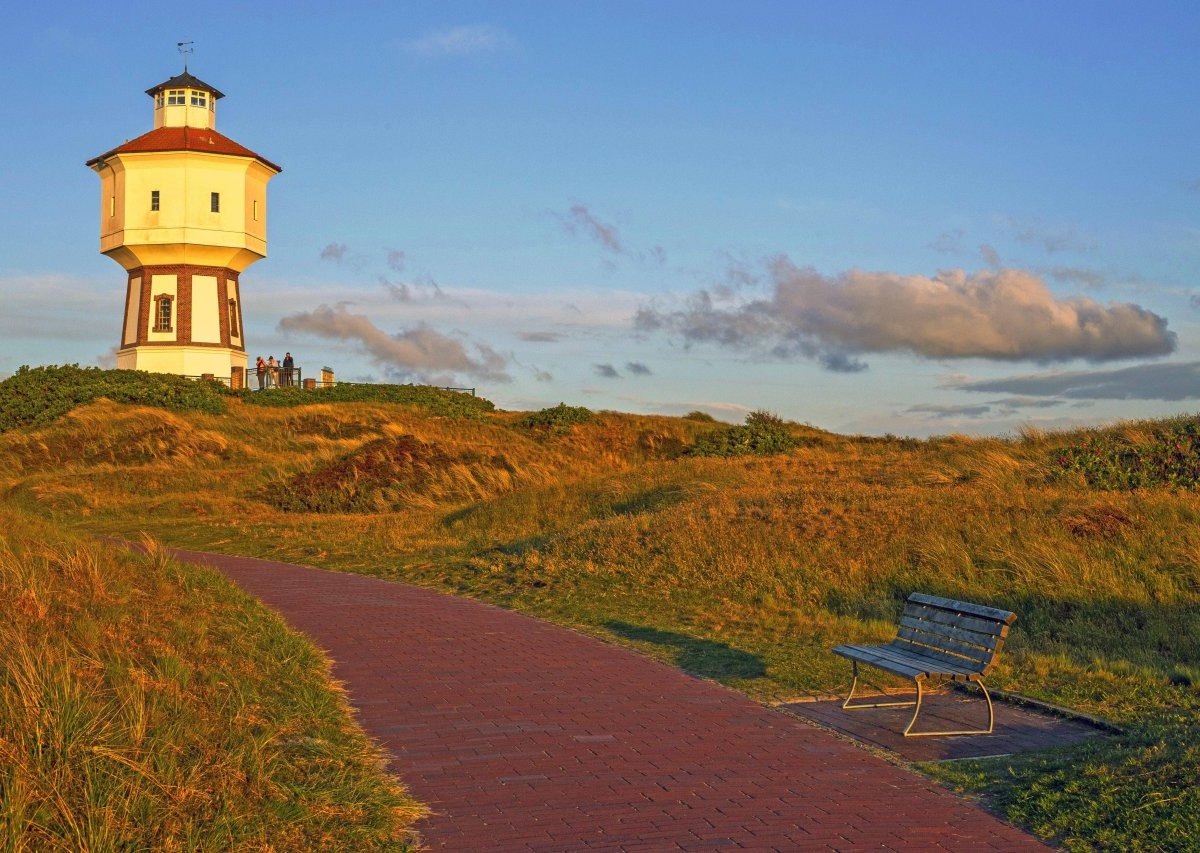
449, 404
763, 434
703, 417
557, 419
35, 396
1109, 461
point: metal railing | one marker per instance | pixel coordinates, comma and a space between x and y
281, 377
470, 391
274, 377
211, 377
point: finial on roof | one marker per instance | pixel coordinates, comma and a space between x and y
184, 48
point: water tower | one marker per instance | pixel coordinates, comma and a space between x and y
184, 210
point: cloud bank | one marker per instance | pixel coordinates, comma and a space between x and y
1178, 381
419, 353
1003, 315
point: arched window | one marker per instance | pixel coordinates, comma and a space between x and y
163, 305
233, 319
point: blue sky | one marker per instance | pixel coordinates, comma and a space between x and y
874, 217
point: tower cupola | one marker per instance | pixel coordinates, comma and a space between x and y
185, 101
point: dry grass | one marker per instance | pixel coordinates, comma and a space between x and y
149, 705
755, 566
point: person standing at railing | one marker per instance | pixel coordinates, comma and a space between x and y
288, 366
260, 367
272, 372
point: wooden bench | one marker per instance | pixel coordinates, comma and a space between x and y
938, 638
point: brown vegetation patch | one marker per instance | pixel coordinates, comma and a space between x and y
1099, 521
328, 422
374, 478
395, 472
660, 445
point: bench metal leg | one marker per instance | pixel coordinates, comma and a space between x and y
908, 732
847, 706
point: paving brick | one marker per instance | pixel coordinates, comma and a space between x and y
521, 733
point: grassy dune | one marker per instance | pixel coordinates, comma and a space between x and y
150, 705
746, 569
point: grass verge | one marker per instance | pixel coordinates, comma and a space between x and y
147, 704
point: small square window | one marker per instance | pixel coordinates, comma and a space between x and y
160, 100
176, 98
198, 99
154, 199
214, 203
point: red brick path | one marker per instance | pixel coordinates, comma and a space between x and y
522, 735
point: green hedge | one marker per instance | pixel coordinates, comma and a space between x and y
35, 396
450, 404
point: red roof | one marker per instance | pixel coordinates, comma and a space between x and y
184, 139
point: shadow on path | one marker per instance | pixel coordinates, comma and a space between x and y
698, 657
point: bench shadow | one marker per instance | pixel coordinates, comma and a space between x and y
705, 658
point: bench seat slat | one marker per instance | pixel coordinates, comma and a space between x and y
933, 662
944, 644
900, 662
948, 660
983, 610
988, 627
871, 655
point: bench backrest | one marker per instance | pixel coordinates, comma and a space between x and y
957, 632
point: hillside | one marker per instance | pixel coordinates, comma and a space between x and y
659, 533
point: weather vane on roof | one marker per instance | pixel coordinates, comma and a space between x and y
184, 48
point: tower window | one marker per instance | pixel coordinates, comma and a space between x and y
112, 205
154, 199
255, 206
214, 203
198, 99
160, 100
162, 312
233, 323
176, 98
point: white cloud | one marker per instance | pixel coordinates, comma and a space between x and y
1003, 315
471, 40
